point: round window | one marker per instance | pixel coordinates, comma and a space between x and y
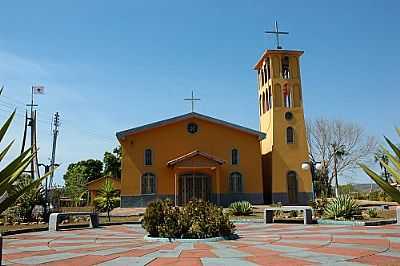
288, 116
192, 128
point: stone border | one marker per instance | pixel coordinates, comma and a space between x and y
65, 226
189, 240
357, 223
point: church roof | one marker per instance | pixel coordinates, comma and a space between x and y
175, 119
194, 154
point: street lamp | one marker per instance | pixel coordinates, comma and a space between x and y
312, 166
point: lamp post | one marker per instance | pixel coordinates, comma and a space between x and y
312, 166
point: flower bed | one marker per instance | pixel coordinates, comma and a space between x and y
196, 220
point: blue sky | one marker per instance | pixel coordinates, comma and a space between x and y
109, 66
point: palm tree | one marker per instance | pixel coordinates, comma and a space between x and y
10, 188
392, 166
107, 197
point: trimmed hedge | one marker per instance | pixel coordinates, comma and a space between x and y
197, 219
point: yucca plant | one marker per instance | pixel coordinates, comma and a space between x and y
10, 188
391, 162
241, 208
372, 213
342, 207
107, 197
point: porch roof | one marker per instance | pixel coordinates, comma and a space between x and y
193, 154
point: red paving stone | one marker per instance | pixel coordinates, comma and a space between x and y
379, 260
297, 245
176, 262
362, 241
26, 254
252, 238
259, 251
278, 261
197, 253
86, 260
345, 251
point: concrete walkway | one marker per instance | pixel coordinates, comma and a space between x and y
259, 244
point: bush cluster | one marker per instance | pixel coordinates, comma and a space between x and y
241, 208
197, 219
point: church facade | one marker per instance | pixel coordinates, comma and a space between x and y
197, 156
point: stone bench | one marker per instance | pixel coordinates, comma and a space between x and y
307, 212
56, 218
398, 215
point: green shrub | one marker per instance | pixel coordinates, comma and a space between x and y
343, 207
372, 213
197, 219
241, 208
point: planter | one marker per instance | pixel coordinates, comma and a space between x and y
1, 249
357, 223
190, 240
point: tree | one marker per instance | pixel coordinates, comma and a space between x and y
392, 165
107, 197
92, 169
340, 146
75, 182
112, 162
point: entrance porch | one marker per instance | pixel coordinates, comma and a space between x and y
196, 176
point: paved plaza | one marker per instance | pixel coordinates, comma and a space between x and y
259, 244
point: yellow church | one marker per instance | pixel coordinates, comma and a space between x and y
198, 156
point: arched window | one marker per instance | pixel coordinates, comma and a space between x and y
292, 187
264, 103
260, 105
270, 97
235, 156
289, 135
148, 157
285, 67
236, 182
287, 96
148, 183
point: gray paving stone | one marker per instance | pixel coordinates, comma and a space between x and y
45, 258
108, 251
34, 248
226, 261
126, 261
225, 251
281, 248
345, 263
392, 253
325, 259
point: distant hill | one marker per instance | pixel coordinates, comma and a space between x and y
365, 187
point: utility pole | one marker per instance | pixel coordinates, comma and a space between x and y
56, 123
50, 167
31, 122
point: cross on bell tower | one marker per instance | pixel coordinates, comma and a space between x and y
277, 33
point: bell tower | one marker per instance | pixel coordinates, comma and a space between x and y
282, 119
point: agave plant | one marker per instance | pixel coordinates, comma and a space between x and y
10, 188
342, 207
391, 162
241, 208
